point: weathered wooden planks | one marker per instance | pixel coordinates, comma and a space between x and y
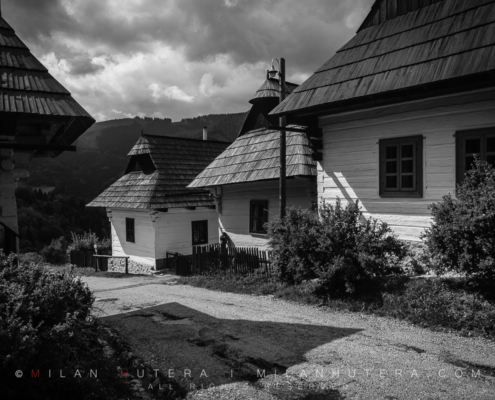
433, 41
177, 161
230, 260
255, 156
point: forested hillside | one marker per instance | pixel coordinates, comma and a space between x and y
101, 156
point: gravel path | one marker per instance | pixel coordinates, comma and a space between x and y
223, 340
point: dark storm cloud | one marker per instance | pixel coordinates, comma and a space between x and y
179, 57
306, 32
83, 65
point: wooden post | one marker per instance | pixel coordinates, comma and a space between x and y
283, 140
96, 258
127, 266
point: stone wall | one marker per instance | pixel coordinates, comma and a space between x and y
118, 265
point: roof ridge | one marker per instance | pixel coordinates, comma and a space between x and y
183, 138
397, 68
408, 47
408, 15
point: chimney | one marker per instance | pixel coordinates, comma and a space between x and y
205, 133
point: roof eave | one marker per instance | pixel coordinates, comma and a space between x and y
433, 89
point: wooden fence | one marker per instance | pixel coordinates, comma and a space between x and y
213, 258
85, 259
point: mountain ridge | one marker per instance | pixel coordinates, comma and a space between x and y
101, 156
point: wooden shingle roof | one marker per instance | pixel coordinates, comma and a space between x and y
28, 89
177, 162
442, 42
255, 157
271, 89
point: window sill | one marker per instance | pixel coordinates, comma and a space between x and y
402, 195
259, 235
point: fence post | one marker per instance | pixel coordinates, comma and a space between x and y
127, 266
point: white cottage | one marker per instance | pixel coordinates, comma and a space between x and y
150, 209
244, 179
403, 108
38, 118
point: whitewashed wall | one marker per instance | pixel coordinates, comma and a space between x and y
234, 218
143, 251
349, 168
170, 231
174, 230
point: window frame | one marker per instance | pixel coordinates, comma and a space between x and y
265, 205
130, 232
460, 139
199, 223
417, 190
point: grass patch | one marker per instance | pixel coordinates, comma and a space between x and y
458, 304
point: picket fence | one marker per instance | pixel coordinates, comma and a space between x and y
215, 258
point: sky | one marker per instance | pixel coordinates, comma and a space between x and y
179, 58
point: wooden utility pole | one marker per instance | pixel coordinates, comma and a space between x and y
283, 124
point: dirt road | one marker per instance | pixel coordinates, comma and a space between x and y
204, 338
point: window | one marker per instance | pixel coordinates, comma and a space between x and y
199, 232
258, 216
401, 167
129, 230
479, 142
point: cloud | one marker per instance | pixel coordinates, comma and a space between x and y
84, 65
179, 58
172, 93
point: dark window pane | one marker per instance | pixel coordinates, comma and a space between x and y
391, 167
473, 146
391, 152
469, 163
490, 145
391, 182
407, 182
408, 166
491, 159
408, 151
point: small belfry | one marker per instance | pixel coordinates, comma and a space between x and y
38, 118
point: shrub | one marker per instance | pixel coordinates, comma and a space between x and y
56, 252
46, 324
340, 247
28, 258
435, 302
462, 235
293, 242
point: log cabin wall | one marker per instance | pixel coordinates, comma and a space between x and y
234, 218
350, 165
173, 229
142, 251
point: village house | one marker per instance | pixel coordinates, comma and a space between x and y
151, 211
38, 118
403, 106
244, 179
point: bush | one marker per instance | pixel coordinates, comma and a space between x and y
56, 252
46, 324
340, 247
436, 302
293, 242
462, 235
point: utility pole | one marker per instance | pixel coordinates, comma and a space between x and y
283, 140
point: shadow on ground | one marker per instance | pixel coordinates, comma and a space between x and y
199, 350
